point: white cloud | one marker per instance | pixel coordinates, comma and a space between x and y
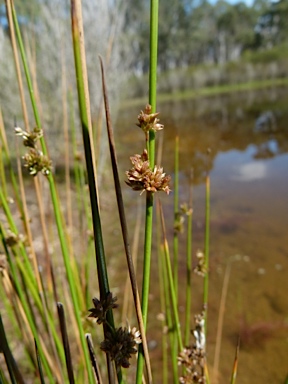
251, 171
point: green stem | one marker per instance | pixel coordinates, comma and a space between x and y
56, 205
83, 100
154, 5
146, 277
168, 315
26, 307
171, 285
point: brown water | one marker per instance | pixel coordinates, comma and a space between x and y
248, 137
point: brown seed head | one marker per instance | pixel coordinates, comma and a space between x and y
29, 138
36, 162
101, 307
141, 177
148, 121
120, 345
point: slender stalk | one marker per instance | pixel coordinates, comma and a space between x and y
15, 374
41, 292
40, 369
235, 365
188, 270
207, 239
124, 228
17, 64
55, 201
69, 364
168, 314
154, 5
84, 107
174, 346
171, 284
176, 215
26, 309
220, 322
146, 277
164, 302
127, 307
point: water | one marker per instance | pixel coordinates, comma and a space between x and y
248, 165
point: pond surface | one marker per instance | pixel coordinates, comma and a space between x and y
247, 134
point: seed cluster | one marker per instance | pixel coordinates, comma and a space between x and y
141, 177
34, 159
193, 358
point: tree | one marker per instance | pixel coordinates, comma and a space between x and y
272, 27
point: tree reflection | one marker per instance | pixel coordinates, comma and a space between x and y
231, 122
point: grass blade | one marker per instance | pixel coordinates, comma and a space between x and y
56, 205
235, 365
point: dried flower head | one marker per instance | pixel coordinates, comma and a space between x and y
179, 218
101, 307
140, 170
29, 138
136, 334
13, 239
193, 357
148, 121
120, 345
185, 210
36, 162
141, 177
178, 222
200, 268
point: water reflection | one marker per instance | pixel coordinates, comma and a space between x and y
226, 123
251, 171
248, 137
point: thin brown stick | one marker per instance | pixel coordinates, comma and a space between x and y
127, 308
235, 365
3, 133
66, 141
220, 322
17, 63
124, 225
35, 264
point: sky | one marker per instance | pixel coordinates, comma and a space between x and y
248, 2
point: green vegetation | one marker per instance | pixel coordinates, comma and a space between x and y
34, 294
49, 308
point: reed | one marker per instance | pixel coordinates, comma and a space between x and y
46, 298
